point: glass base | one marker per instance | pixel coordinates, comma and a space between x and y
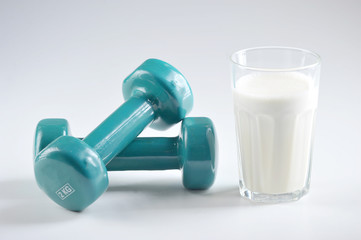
272, 198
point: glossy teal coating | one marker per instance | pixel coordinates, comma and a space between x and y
199, 151
194, 151
70, 162
120, 128
165, 87
150, 153
76, 161
48, 130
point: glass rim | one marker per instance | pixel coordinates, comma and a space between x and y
315, 55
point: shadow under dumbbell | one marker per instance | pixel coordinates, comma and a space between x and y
186, 199
130, 197
175, 196
24, 203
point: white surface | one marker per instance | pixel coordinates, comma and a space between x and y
275, 113
68, 59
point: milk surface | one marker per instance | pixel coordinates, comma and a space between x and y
274, 121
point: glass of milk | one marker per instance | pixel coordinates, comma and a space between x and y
275, 95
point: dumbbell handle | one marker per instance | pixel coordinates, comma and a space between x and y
120, 128
149, 153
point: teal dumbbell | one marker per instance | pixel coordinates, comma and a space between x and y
194, 151
72, 172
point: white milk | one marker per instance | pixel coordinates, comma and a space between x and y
274, 121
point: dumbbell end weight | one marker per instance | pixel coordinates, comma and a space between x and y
199, 151
68, 167
47, 131
165, 87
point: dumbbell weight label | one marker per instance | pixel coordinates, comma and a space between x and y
65, 191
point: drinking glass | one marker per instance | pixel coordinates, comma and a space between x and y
275, 96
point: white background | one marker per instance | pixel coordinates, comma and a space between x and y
68, 59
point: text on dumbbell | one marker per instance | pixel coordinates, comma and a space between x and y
65, 191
